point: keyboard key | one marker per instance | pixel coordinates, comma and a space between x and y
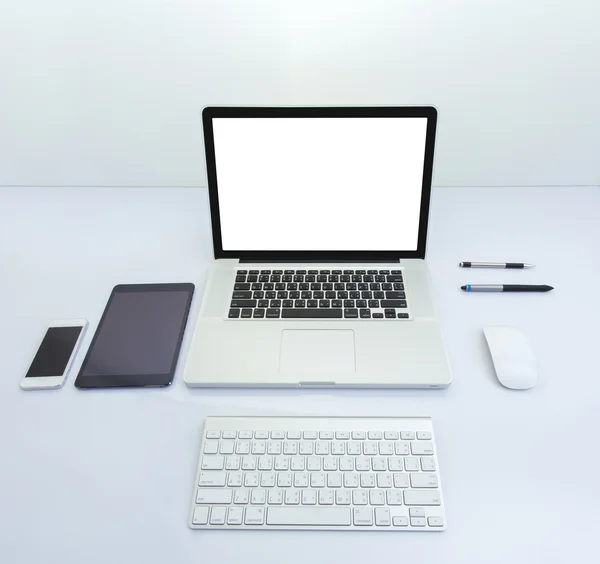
382, 516
394, 497
349, 313
200, 516
255, 516
241, 496
242, 303
263, 303
407, 435
365, 313
363, 516
235, 515
411, 464
287, 303
416, 512
421, 448
259, 313
378, 316
213, 496
394, 278
314, 313
213, 462
401, 481
211, 447
435, 521
422, 497
402, 448
395, 295
417, 521
217, 515
241, 287
390, 314
273, 313
403, 316
400, 521
427, 464
234, 313
393, 303
246, 313
242, 295
258, 295
312, 303
422, 436
309, 516
395, 464
212, 479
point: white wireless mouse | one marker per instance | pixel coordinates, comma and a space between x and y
513, 359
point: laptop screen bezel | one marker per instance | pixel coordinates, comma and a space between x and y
210, 113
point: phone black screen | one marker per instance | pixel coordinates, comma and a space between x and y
53, 355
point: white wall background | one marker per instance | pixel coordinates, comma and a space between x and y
109, 92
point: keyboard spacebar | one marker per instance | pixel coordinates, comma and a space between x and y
314, 516
312, 313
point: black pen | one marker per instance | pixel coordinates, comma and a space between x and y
495, 265
505, 288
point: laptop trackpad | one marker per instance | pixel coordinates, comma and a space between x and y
317, 351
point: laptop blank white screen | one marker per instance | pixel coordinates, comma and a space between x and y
304, 184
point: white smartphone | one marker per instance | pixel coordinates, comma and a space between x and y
52, 362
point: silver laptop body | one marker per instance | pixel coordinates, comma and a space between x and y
319, 220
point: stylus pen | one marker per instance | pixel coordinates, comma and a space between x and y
505, 288
495, 265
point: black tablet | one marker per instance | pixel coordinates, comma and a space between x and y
138, 338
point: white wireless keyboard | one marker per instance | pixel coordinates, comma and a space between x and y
334, 473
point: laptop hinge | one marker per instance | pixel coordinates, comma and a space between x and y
341, 261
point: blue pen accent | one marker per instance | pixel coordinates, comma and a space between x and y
468, 287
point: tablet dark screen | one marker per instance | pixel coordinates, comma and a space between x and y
139, 335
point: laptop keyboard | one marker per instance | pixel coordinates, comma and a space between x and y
318, 294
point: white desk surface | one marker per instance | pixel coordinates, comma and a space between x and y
107, 475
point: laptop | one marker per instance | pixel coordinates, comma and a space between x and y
319, 224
